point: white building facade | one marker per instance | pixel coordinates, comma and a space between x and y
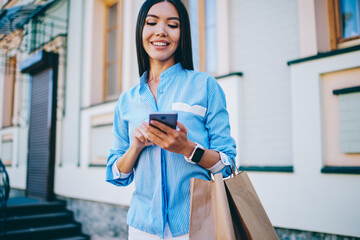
291, 74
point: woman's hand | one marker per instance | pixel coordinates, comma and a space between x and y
140, 141
126, 162
169, 139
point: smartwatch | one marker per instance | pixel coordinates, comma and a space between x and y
196, 155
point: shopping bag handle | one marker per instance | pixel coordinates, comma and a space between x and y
234, 170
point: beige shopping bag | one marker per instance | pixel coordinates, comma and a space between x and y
245, 206
210, 216
227, 211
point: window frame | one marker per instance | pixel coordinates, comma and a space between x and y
8, 138
222, 60
336, 26
10, 69
203, 41
333, 84
120, 7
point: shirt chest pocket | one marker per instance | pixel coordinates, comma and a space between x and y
193, 118
194, 109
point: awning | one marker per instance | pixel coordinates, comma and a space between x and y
15, 18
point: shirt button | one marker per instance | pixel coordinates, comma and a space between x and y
161, 91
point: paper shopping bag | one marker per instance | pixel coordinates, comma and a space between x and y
210, 216
245, 206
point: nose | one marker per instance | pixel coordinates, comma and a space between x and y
161, 34
160, 31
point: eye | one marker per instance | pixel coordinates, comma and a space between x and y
173, 26
151, 23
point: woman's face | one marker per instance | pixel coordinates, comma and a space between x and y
161, 33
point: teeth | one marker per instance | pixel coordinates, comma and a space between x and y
159, 44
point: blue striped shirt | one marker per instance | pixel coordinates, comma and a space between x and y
162, 178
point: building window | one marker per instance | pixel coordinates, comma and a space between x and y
344, 22
350, 18
8, 94
113, 44
100, 138
341, 116
203, 33
7, 149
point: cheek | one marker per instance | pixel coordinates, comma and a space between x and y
145, 34
176, 37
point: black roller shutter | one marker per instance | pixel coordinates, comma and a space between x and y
42, 124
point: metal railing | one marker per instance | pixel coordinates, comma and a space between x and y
4, 196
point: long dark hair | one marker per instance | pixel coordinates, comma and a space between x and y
183, 53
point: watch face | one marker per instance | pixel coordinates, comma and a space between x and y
199, 152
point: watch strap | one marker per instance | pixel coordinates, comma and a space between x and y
196, 155
199, 152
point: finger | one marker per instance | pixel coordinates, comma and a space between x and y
153, 130
162, 126
157, 140
143, 130
139, 135
181, 127
155, 135
148, 143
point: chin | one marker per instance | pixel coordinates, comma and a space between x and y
161, 58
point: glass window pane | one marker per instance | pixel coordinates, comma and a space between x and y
112, 15
350, 15
349, 110
112, 46
7, 151
111, 80
211, 43
101, 140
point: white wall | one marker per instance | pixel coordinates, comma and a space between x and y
84, 181
282, 114
264, 36
233, 87
70, 142
307, 199
331, 199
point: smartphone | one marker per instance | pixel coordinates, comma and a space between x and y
169, 119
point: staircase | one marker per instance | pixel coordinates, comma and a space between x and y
30, 219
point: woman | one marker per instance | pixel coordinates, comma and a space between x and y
163, 162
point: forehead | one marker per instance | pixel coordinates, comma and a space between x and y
163, 9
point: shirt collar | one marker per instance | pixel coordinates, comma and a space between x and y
171, 71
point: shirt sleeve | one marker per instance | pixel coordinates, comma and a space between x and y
217, 124
117, 174
120, 146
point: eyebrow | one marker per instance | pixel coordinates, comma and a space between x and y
170, 18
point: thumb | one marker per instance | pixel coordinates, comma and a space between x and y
181, 127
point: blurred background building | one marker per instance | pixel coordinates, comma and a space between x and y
290, 70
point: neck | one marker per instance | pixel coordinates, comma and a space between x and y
156, 68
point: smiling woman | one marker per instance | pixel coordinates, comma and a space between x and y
183, 54
163, 159
161, 35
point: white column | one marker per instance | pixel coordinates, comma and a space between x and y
128, 53
222, 36
307, 28
87, 52
2, 77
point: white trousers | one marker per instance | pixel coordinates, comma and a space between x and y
136, 234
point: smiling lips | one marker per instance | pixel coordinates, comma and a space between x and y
160, 43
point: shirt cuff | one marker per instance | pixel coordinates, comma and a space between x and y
117, 174
220, 164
